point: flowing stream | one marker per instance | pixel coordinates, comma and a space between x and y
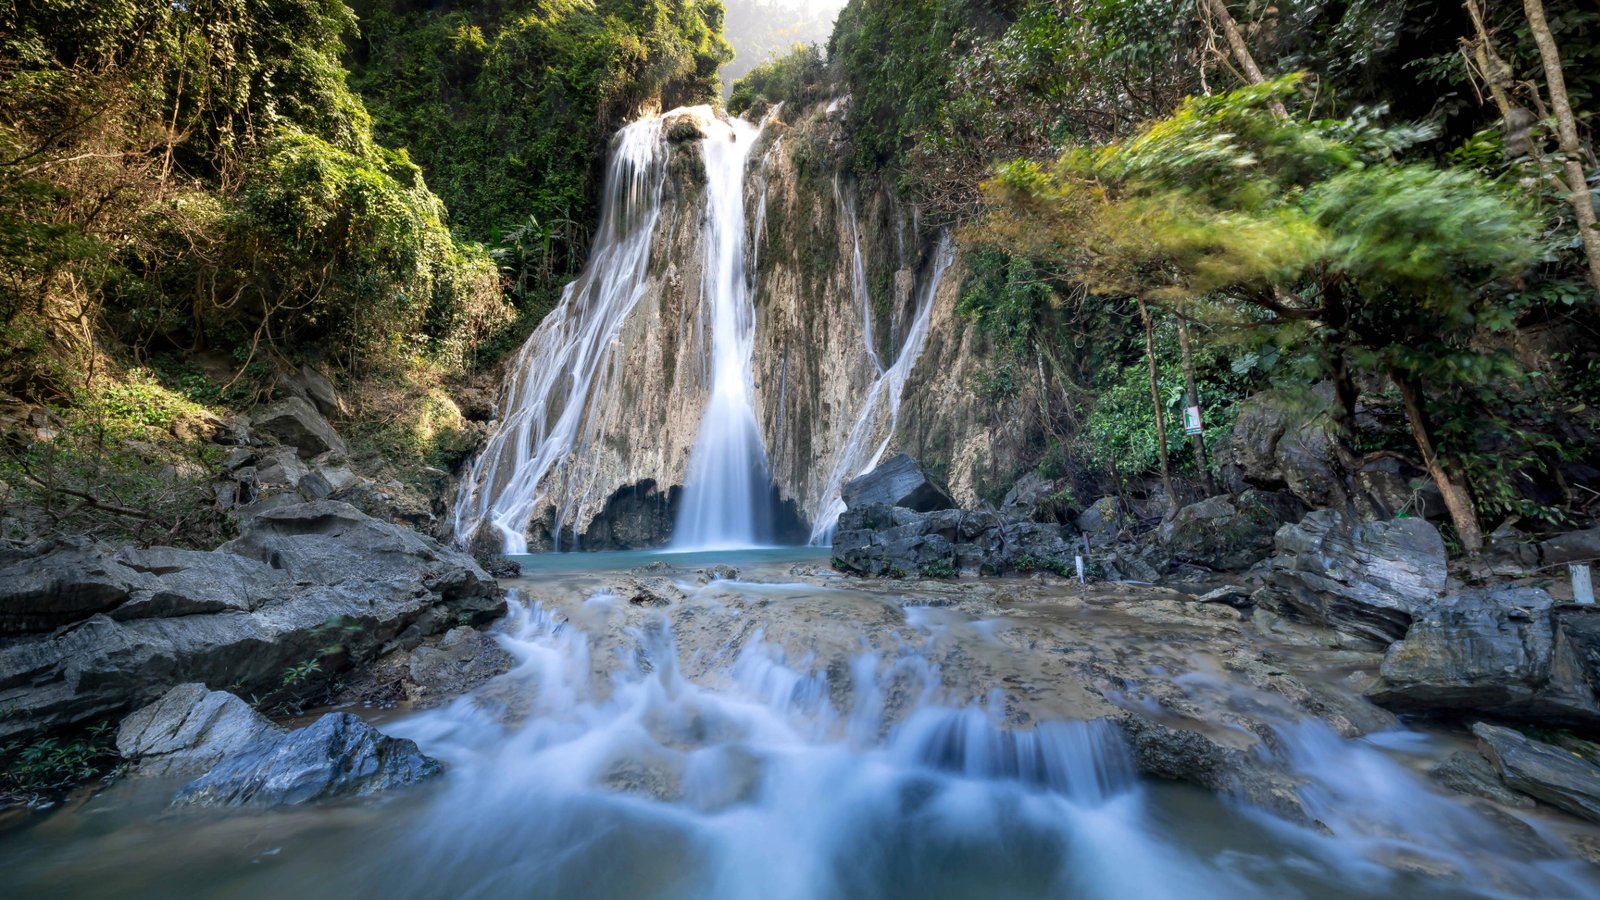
703, 751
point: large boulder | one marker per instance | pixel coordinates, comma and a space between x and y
189, 730
897, 481
1500, 651
337, 756
1282, 442
899, 542
1369, 579
55, 584
294, 422
1549, 774
316, 582
1229, 533
1103, 519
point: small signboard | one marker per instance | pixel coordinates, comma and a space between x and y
1191, 420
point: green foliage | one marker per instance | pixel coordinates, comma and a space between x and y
795, 79
55, 763
508, 106
942, 568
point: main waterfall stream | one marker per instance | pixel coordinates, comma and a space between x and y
789, 734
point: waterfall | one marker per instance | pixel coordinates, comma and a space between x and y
727, 495
555, 373
880, 411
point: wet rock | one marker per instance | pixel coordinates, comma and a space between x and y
1229, 533
1574, 546
1500, 651
1389, 486
294, 422
501, 567
464, 659
897, 481
1367, 578
634, 517
718, 573
1470, 773
296, 582
189, 730
1545, 773
900, 543
337, 756
650, 592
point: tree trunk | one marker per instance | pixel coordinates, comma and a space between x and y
1241, 51
1457, 499
1155, 406
1197, 440
1577, 184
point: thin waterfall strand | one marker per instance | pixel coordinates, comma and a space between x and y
880, 411
556, 372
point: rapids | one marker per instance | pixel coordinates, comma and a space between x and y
792, 735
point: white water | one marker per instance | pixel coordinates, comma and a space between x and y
560, 367
880, 409
726, 494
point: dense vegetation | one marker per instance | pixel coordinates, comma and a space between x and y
508, 105
193, 198
1340, 226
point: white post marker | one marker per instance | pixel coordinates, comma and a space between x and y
1080, 570
1582, 584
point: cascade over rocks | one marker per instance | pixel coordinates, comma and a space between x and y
297, 580
1369, 579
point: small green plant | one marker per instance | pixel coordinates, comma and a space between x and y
942, 568
55, 763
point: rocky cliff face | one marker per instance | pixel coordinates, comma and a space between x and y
858, 351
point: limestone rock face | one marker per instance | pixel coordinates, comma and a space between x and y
1229, 533
337, 756
1548, 774
1502, 651
826, 332
1367, 578
297, 580
189, 730
294, 422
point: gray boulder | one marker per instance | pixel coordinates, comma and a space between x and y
189, 730
1289, 443
1368, 579
1548, 774
337, 756
464, 659
1102, 520
1229, 533
897, 481
320, 583
56, 584
1496, 651
1040, 499
294, 422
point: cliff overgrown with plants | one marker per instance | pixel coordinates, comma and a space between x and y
194, 199
1403, 216
508, 106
